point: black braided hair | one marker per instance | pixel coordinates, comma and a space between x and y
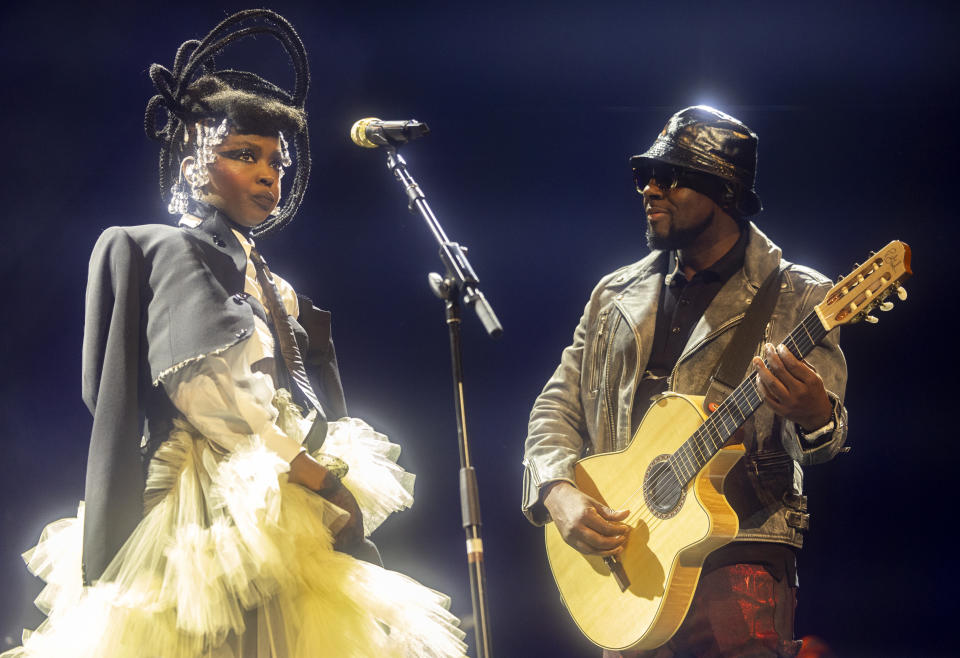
195, 90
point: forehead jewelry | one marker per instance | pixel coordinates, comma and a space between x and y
208, 136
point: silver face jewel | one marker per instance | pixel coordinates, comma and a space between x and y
196, 172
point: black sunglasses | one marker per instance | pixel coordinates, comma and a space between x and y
668, 177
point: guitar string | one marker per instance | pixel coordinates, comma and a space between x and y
740, 398
644, 512
740, 395
741, 392
737, 397
808, 342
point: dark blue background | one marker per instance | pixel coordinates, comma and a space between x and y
535, 108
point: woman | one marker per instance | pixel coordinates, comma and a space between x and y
225, 530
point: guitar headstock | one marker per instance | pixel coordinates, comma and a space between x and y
867, 287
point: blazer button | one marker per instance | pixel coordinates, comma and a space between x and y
217, 241
240, 333
239, 298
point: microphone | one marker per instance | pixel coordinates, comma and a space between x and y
372, 132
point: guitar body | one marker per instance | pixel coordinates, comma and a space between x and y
663, 557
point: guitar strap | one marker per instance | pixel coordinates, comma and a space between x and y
741, 349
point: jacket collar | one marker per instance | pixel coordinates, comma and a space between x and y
733, 299
639, 292
215, 229
761, 259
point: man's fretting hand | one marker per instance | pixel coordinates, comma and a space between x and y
792, 388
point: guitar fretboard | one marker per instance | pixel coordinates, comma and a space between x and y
697, 450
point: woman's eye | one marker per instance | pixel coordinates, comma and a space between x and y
244, 155
276, 164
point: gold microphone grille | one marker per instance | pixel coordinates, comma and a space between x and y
359, 133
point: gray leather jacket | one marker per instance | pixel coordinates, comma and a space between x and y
586, 406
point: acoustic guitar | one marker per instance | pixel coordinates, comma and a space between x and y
671, 478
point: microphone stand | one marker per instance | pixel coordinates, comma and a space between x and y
459, 280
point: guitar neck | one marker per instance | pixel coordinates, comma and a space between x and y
713, 434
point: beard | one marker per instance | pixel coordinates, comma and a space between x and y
678, 238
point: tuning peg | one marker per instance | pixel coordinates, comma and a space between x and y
886, 306
871, 319
902, 293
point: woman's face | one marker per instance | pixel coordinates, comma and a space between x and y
245, 177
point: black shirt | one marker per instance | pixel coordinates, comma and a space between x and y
681, 305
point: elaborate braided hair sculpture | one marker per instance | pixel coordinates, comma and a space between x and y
195, 94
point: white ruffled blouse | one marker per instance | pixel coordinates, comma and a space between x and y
222, 395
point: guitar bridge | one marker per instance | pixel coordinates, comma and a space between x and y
618, 573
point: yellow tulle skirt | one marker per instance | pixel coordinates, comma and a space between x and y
232, 561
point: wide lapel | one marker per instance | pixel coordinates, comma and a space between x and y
638, 302
731, 303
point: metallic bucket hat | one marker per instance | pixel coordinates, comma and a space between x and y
707, 140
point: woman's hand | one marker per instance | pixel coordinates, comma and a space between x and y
350, 534
306, 471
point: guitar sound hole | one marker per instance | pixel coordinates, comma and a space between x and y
661, 488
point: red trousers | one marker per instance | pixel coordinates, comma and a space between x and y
738, 610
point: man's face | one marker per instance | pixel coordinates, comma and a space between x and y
245, 177
676, 216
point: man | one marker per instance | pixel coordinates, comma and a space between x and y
663, 323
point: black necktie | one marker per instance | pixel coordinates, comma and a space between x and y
284, 330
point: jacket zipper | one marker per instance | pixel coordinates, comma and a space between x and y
606, 384
597, 354
611, 421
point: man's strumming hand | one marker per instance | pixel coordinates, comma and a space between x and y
586, 524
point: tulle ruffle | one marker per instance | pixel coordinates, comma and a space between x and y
232, 561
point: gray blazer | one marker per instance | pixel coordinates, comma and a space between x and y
586, 405
157, 298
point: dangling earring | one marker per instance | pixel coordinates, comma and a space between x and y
194, 175
285, 162
178, 197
